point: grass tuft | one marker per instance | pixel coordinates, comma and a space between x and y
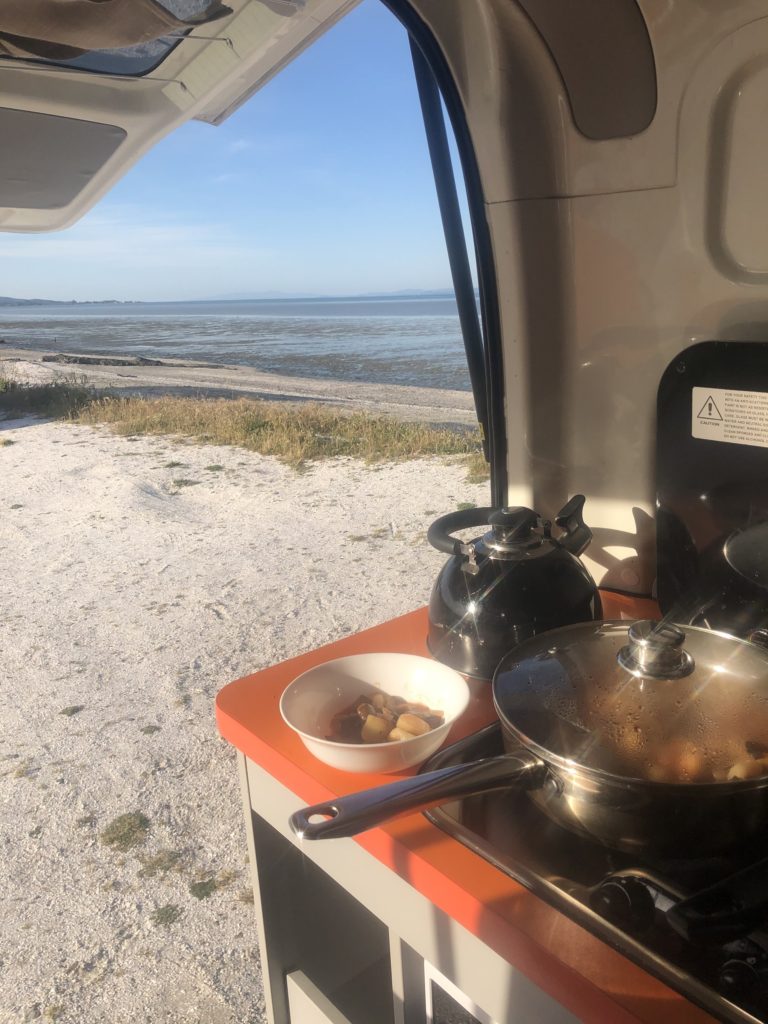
73, 709
294, 434
160, 863
126, 831
207, 885
61, 398
203, 889
166, 915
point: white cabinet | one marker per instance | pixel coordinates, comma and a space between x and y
345, 939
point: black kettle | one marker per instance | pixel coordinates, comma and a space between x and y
500, 589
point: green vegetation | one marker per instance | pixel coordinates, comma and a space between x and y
64, 397
73, 709
166, 915
160, 863
295, 434
202, 890
207, 885
126, 831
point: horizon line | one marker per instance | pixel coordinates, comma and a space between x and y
10, 300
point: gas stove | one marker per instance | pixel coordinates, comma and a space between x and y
627, 901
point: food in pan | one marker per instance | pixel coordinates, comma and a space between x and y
682, 760
379, 717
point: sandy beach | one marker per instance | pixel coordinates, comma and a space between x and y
142, 575
431, 405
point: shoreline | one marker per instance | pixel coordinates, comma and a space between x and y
440, 407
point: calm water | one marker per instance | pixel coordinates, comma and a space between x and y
387, 340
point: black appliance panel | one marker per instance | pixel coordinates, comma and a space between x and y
712, 485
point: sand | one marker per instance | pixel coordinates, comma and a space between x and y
140, 576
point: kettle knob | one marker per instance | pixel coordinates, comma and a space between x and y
513, 523
577, 534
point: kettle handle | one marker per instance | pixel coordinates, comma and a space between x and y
577, 534
439, 533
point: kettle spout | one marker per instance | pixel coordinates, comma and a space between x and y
577, 535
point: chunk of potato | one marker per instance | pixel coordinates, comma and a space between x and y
749, 768
412, 724
375, 730
398, 734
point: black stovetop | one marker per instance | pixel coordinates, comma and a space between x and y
619, 897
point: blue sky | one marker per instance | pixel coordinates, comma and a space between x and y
320, 184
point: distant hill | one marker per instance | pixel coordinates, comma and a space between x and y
410, 293
6, 300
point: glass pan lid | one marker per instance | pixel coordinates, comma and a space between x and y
643, 700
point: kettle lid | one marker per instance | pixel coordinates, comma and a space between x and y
513, 533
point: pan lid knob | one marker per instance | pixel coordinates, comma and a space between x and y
655, 650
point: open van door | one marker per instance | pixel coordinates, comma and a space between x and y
89, 86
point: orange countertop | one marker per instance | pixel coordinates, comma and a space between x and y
592, 980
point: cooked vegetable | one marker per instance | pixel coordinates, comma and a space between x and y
749, 768
413, 724
375, 730
380, 718
681, 760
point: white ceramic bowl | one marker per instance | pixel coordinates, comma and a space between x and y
312, 699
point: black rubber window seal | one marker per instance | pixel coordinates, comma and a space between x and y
492, 401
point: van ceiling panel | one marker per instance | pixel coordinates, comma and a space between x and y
46, 161
210, 71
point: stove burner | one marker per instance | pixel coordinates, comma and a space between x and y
626, 900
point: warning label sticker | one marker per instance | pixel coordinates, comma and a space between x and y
736, 417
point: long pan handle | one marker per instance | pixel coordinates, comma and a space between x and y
728, 910
348, 815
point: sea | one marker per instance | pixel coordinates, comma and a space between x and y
377, 339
